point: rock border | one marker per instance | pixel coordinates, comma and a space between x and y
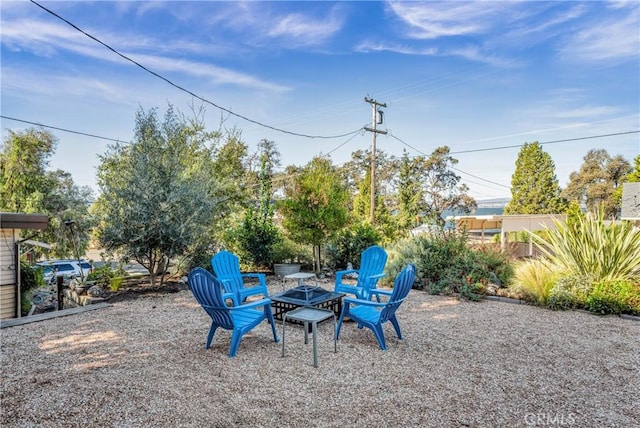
524, 302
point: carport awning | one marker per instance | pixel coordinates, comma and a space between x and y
509, 223
478, 223
36, 243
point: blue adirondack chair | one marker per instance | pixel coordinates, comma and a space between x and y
372, 261
241, 319
372, 314
226, 267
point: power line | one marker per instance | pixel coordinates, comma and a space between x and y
520, 145
546, 142
61, 129
514, 146
159, 76
480, 178
343, 143
459, 170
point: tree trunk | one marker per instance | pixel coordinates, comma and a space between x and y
316, 258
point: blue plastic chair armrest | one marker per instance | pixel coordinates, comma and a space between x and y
252, 291
262, 278
216, 308
383, 292
349, 300
341, 273
261, 302
233, 296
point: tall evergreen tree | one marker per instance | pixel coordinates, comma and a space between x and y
534, 185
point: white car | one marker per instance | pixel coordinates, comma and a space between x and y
69, 268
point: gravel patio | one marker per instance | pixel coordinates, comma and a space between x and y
142, 363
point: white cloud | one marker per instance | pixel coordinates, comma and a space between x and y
303, 30
610, 39
475, 53
431, 20
26, 84
587, 112
537, 31
217, 75
370, 46
47, 39
472, 53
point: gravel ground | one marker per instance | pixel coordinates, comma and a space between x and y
142, 363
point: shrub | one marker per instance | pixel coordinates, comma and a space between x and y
101, 275
534, 280
288, 251
256, 237
116, 283
447, 265
614, 297
105, 275
31, 277
569, 292
349, 244
497, 263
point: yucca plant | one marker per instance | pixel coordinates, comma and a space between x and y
589, 247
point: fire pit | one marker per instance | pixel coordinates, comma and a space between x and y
305, 295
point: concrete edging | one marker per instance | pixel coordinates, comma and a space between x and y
524, 302
49, 315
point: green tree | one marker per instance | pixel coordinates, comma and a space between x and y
362, 205
357, 175
224, 157
65, 201
23, 164
534, 185
411, 204
441, 187
634, 176
27, 186
597, 181
156, 192
314, 208
258, 233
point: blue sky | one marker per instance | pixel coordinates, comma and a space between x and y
469, 75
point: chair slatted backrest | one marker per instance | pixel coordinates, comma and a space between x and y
401, 287
226, 266
207, 290
372, 262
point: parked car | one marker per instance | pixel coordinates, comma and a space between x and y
69, 268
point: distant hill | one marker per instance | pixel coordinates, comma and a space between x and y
489, 211
493, 203
485, 207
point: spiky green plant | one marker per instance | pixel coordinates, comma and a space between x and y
589, 247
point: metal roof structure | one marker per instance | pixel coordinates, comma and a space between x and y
630, 202
509, 223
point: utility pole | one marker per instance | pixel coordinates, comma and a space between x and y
376, 118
